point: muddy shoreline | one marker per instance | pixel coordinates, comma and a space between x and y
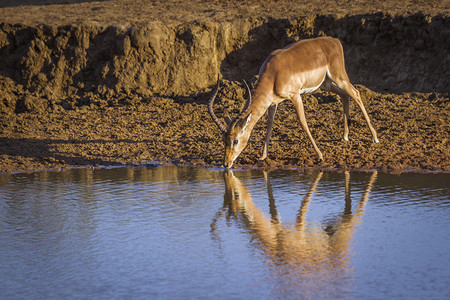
413, 132
93, 86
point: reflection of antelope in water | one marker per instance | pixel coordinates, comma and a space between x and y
315, 260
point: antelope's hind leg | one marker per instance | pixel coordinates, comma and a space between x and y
354, 93
330, 86
345, 90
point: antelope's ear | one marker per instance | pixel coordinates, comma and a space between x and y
226, 117
243, 123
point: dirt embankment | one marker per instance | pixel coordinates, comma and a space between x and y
82, 64
88, 94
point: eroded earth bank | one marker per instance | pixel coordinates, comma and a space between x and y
80, 91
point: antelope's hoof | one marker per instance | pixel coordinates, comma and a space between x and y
375, 140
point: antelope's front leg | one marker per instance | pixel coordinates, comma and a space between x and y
298, 104
270, 118
345, 105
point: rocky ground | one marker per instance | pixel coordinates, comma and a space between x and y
104, 83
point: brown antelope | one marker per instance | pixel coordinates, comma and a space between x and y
317, 254
287, 73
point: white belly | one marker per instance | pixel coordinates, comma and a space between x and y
312, 89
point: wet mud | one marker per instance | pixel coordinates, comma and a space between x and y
115, 89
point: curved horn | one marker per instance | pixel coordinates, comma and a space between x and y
249, 99
246, 105
211, 111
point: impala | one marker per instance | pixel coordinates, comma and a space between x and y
287, 73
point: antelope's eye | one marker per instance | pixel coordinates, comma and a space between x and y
235, 142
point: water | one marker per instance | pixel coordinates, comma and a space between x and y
186, 233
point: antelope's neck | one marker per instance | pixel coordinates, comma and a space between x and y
262, 98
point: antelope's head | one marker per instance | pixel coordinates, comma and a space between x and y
235, 132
